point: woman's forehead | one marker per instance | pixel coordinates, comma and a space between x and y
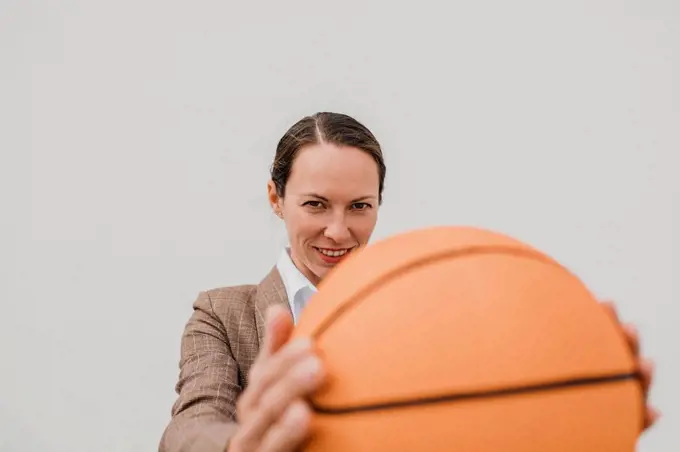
332, 171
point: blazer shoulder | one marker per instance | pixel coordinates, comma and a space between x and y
223, 298
236, 300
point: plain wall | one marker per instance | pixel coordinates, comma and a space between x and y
136, 137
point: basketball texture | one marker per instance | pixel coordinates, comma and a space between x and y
454, 339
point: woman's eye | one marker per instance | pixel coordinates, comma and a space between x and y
360, 206
315, 204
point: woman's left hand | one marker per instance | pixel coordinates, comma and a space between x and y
644, 364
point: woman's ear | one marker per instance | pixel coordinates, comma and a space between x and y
274, 199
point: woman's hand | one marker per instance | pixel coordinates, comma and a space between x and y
645, 365
272, 412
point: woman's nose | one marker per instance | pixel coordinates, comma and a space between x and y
337, 230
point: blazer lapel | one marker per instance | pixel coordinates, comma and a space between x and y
270, 292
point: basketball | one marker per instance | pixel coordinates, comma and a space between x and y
455, 339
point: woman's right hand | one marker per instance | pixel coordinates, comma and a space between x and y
272, 412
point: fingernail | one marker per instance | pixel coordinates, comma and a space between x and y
269, 316
311, 369
297, 415
303, 343
313, 365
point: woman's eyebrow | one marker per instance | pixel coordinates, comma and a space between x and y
323, 198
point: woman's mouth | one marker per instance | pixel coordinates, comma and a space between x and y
333, 255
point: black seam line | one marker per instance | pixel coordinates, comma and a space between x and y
361, 294
477, 395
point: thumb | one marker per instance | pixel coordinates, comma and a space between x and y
278, 329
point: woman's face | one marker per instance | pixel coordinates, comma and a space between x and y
330, 205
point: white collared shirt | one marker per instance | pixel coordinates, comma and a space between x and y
298, 288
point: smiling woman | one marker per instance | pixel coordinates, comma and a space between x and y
242, 386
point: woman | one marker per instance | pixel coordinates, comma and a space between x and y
242, 385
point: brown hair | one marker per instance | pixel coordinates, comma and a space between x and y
324, 127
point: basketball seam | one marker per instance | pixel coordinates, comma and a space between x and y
363, 292
502, 392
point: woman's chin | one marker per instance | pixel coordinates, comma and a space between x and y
319, 271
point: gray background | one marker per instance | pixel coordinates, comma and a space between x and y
136, 138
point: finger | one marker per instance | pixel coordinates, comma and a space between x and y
633, 338
290, 432
646, 373
298, 383
278, 329
651, 417
301, 379
267, 370
629, 330
276, 332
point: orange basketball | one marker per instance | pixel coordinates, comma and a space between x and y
455, 339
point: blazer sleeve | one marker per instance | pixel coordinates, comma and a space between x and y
203, 415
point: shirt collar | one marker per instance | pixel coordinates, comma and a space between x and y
295, 282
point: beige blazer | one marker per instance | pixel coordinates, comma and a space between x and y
219, 344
